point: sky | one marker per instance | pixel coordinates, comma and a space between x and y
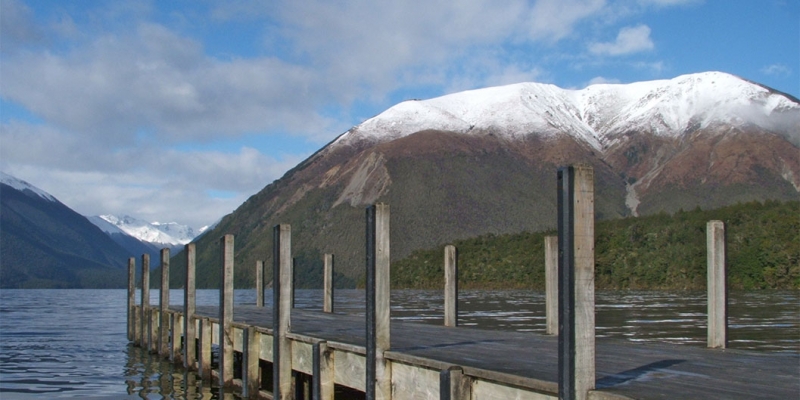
181, 110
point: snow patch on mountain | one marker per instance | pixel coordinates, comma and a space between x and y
22, 186
598, 114
170, 233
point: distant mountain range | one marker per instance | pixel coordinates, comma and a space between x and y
44, 243
484, 162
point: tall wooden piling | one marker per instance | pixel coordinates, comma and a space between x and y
378, 371
282, 289
131, 299
450, 286
145, 310
327, 283
226, 312
576, 345
163, 306
717, 285
551, 283
189, 308
259, 283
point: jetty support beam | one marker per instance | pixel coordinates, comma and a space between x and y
226, 312
282, 299
131, 299
327, 283
551, 283
717, 285
378, 370
145, 310
450, 286
163, 306
576, 336
189, 308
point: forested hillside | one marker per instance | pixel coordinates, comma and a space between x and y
653, 252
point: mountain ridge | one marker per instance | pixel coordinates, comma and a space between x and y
449, 178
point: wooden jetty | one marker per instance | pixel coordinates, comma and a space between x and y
287, 353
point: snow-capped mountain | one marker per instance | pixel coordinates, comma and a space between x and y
485, 161
45, 244
597, 115
23, 186
171, 233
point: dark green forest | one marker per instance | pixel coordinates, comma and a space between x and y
652, 252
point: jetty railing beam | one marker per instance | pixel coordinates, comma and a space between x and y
131, 299
576, 341
327, 283
226, 312
450, 285
551, 283
282, 292
163, 306
259, 283
189, 308
378, 371
717, 285
145, 310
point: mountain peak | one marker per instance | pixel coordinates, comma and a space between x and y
595, 114
23, 186
171, 233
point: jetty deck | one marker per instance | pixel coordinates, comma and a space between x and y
529, 361
288, 353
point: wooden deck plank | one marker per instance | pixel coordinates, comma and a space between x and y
643, 371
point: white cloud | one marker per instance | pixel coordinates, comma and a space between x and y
629, 40
776, 70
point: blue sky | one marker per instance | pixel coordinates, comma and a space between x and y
181, 110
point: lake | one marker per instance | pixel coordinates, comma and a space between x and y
73, 343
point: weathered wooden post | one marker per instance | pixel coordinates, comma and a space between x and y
175, 353
251, 374
145, 316
551, 283
282, 307
717, 285
259, 283
226, 312
450, 286
327, 283
131, 299
204, 358
189, 308
163, 306
323, 379
576, 346
378, 370
453, 384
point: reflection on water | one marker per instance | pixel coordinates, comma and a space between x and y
72, 343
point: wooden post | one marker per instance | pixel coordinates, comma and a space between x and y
551, 283
251, 374
378, 372
145, 310
450, 286
717, 285
323, 378
154, 320
226, 312
131, 298
175, 354
576, 345
163, 306
282, 308
189, 308
454, 385
327, 283
204, 358
259, 283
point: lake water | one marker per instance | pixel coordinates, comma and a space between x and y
73, 343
